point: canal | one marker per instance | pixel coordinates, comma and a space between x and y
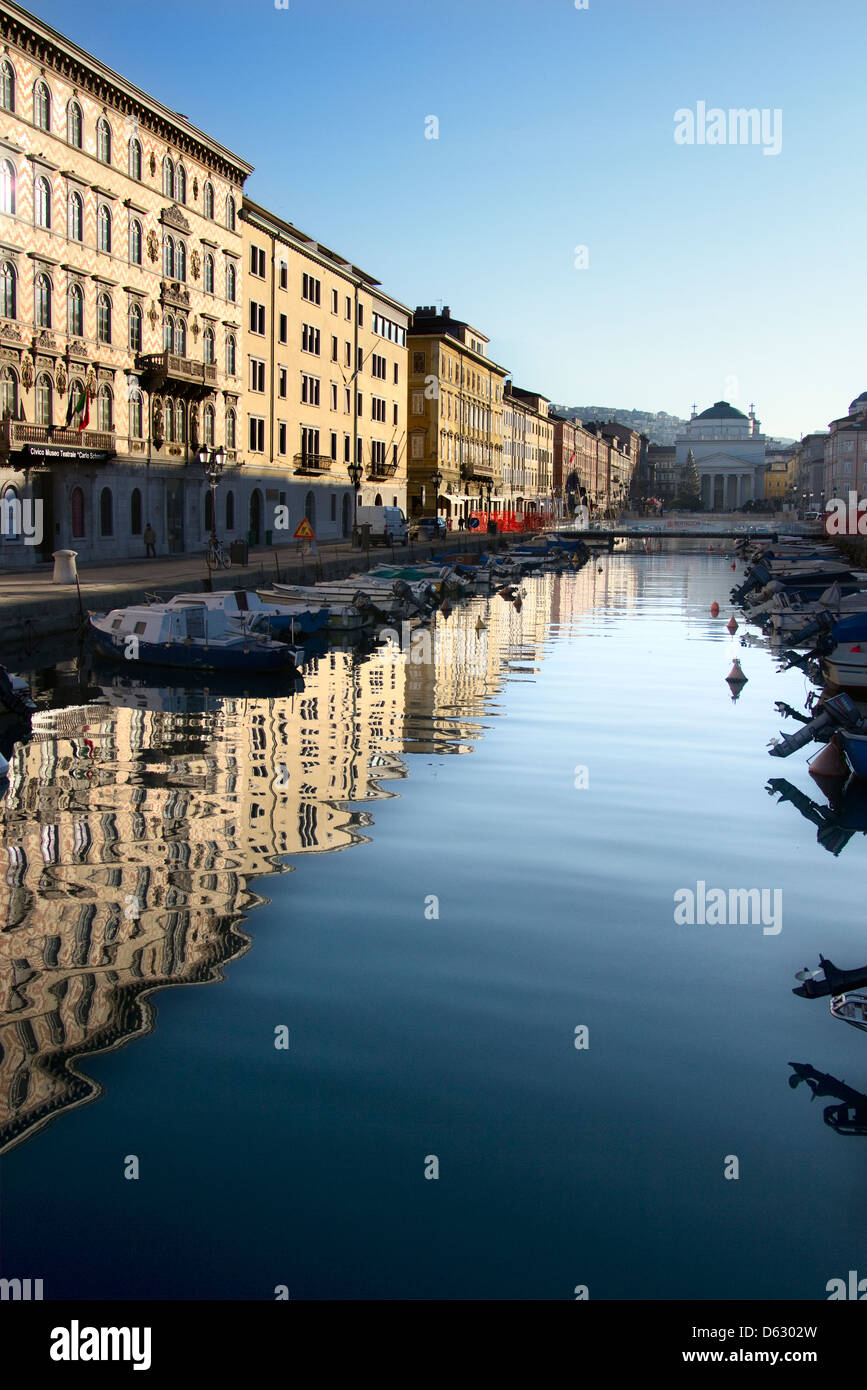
448, 1039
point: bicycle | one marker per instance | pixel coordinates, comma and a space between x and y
218, 556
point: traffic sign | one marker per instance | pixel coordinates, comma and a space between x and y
304, 531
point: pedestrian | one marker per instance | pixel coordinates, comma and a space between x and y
460, 523
150, 540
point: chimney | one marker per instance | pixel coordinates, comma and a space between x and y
447, 313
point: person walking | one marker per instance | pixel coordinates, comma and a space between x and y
150, 540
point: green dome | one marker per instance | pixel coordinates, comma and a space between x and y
721, 410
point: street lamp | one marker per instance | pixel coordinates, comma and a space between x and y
212, 461
436, 479
355, 471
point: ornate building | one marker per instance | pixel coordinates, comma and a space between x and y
729, 452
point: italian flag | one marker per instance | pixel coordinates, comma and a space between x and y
78, 405
85, 418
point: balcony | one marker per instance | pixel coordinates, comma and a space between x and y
161, 369
308, 465
18, 434
479, 471
380, 471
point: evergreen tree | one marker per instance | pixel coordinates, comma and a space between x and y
688, 498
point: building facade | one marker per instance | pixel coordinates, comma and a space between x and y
845, 462
729, 452
528, 453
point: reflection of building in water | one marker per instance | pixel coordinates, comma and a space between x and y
131, 838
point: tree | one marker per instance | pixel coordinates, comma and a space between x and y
688, 497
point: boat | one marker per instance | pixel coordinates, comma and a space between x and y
855, 749
850, 1008
251, 613
191, 636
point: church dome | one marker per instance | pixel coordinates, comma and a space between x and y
721, 410
859, 405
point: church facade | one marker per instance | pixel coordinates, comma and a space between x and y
729, 452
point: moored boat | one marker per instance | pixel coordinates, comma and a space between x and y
189, 636
850, 1008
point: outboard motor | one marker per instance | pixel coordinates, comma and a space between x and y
840, 712
368, 609
411, 601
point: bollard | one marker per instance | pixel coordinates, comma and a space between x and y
64, 567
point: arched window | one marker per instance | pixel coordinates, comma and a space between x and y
42, 297
7, 187
180, 422
168, 177
7, 86
8, 291
135, 512
230, 213
73, 124
135, 159
135, 242
103, 319
103, 141
230, 510
169, 420
75, 311
208, 426
209, 200
135, 328
209, 510
136, 415
231, 428
44, 400
231, 354
231, 281
41, 106
75, 218
181, 337
104, 224
10, 513
209, 273
169, 332
181, 184
169, 257
8, 394
180, 261
42, 202
377, 501
208, 345
105, 409
106, 513
76, 509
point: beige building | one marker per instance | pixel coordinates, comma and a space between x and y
120, 305
325, 371
455, 418
528, 453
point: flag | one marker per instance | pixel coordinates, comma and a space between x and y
76, 402
85, 418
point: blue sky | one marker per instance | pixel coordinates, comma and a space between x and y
714, 271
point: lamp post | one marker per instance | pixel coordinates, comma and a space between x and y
355, 471
436, 479
212, 461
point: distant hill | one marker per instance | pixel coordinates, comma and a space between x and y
659, 427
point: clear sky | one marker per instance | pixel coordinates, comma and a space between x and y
715, 270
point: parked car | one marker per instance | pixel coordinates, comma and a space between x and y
429, 528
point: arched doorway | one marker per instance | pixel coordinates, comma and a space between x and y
255, 537
76, 507
310, 511
378, 500
346, 521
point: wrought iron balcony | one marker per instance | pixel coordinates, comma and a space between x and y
483, 470
309, 464
161, 369
381, 470
17, 434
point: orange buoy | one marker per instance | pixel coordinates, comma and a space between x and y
714, 609
732, 625
736, 675
830, 762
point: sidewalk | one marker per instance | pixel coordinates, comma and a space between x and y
32, 606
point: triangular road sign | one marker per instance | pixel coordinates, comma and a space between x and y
304, 531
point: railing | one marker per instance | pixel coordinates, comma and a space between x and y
16, 433
312, 463
381, 470
477, 470
169, 365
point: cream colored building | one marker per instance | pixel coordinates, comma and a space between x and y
528, 452
325, 369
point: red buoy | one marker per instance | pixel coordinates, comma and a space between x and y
830, 762
733, 564
732, 624
714, 609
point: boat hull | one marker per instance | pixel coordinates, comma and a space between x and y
855, 748
190, 656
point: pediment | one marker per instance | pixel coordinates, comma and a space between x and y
173, 217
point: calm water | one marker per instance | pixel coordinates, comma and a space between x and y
154, 840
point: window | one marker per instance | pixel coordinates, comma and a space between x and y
334, 448
169, 332
309, 389
281, 438
395, 374
311, 288
394, 420
7, 187
359, 359
41, 106
75, 311
284, 329
135, 160
334, 301
348, 307
377, 408
135, 512
7, 86
257, 317
334, 395
209, 200
180, 260
180, 422
44, 400
208, 346
310, 339
309, 442
359, 402
169, 421
104, 225
257, 374
417, 402
180, 337
8, 291
257, 262
419, 361
346, 448
361, 315
257, 435
103, 141
230, 511
282, 377
106, 513
168, 177
231, 429
180, 184
135, 415
418, 446
169, 258
73, 124
104, 409
76, 511
231, 281
347, 354
209, 273
333, 349
284, 276
103, 319
135, 242
231, 354
347, 400
230, 213
76, 217
42, 298
208, 426
378, 366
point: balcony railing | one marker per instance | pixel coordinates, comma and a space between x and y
312, 463
381, 470
14, 434
477, 470
159, 368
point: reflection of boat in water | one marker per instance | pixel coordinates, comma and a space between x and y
816, 984
189, 636
129, 691
850, 1008
845, 814
848, 1118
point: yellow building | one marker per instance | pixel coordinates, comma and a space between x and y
120, 303
528, 452
325, 370
455, 418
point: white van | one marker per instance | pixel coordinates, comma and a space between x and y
387, 524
